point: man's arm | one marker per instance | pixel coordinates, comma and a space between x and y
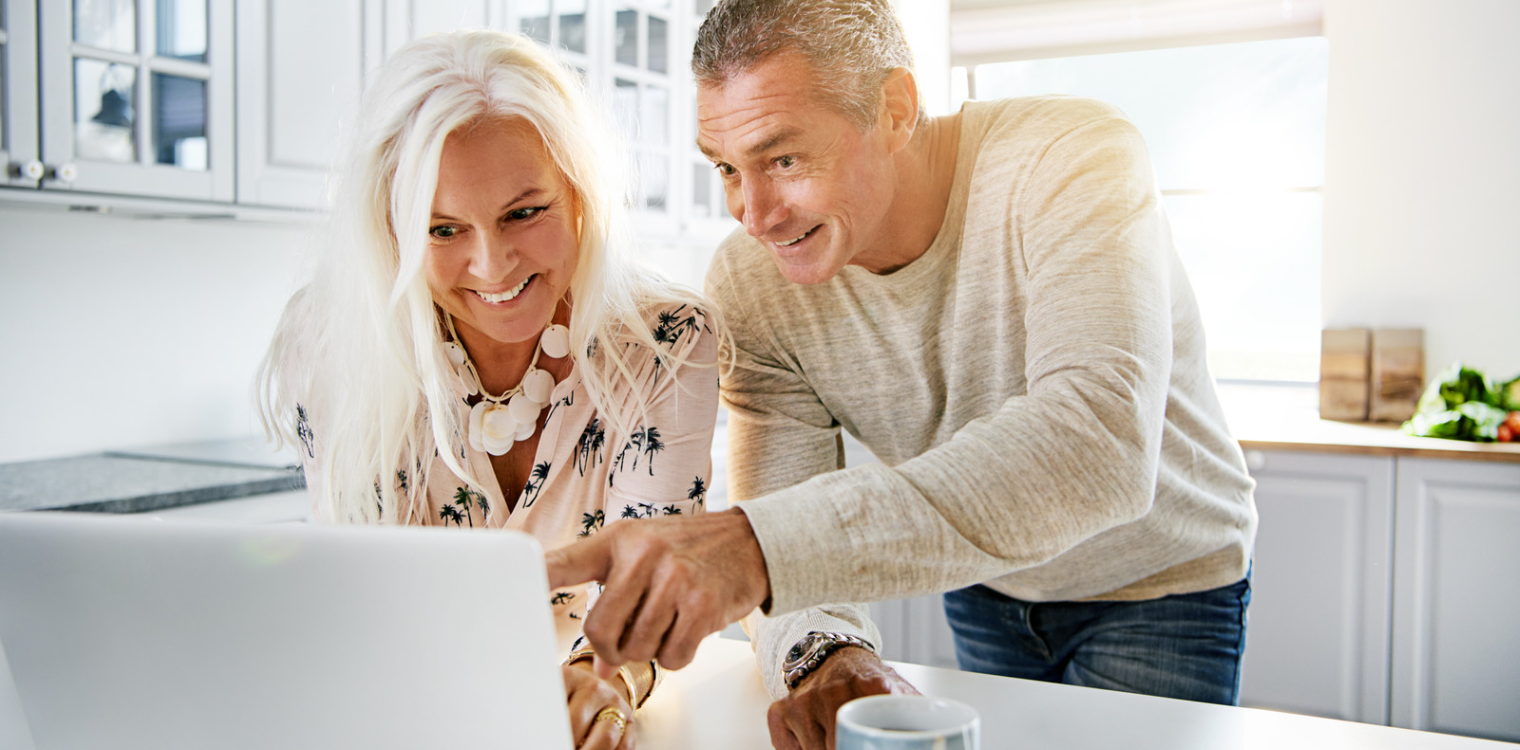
1075, 456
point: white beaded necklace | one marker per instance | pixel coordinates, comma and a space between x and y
496, 422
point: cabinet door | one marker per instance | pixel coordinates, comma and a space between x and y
18, 92
406, 20
137, 97
300, 70
1456, 643
915, 631
1318, 630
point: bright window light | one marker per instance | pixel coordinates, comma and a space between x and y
1237, 136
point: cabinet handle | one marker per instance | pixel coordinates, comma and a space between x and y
31, 170
65, 172
1256, 460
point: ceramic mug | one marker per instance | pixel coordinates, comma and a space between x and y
907, 722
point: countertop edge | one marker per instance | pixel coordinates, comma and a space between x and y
183, 498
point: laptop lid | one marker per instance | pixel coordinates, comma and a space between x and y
137, 633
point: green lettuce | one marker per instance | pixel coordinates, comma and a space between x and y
1463, 404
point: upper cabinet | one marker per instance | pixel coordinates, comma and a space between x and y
136, 97
300, 67
214, 103
18, 93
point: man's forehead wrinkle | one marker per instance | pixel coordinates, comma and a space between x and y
753, 122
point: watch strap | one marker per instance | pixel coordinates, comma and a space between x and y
809, 654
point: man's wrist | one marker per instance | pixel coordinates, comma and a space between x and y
764, 582
813, 650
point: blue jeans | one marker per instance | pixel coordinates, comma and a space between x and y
1184, 646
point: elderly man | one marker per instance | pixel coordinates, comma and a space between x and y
989, 301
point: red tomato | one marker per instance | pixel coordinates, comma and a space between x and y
1505, 433
1513, 422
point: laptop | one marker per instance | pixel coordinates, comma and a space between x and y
136, 633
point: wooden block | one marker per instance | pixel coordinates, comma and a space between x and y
1398, 373
1344, 368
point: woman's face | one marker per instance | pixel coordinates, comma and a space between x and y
503, 241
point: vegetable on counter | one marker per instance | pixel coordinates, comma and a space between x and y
1463, 404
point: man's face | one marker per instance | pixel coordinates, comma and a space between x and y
799, 175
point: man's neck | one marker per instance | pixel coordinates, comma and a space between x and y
925, 175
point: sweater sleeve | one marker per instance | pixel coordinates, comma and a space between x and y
1076, 455
779, 434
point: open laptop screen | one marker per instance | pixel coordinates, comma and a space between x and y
136, 633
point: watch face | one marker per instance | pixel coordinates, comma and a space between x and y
801, 649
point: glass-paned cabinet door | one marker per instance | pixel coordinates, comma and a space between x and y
18, 94
137, 97
641, 48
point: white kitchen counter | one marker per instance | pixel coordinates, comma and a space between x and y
719, 702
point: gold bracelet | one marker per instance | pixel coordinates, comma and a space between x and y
586, 652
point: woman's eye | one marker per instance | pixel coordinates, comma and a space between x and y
443, 232
521, 214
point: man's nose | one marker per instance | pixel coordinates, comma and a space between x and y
761, 208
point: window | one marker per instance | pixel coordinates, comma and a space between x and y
1237, 136
635, 56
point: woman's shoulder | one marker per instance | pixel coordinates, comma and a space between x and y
679, 328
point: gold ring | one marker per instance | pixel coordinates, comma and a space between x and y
613, 714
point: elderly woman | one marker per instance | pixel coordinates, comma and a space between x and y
473, 352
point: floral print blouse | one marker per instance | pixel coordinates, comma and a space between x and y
585, 473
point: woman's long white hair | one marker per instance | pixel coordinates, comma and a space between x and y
359, 345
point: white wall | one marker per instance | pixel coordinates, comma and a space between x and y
119, 332
926, 24
1422, 175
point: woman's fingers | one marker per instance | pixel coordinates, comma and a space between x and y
605, 735
599, 717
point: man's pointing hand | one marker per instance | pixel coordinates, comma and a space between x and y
668, 583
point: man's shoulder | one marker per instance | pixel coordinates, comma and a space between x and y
1032, 121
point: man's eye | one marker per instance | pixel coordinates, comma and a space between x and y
785, 162
443, 232
727, 170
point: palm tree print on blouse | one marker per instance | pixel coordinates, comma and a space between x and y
698, 492
646, 441
303, 431
649, 510
459, 511
672, 326
561, 597
588, 449
535, 483
591, 522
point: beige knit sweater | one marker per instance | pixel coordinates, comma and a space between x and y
1034, 385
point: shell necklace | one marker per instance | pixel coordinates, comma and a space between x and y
496, 422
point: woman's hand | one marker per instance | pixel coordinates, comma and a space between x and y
589, 696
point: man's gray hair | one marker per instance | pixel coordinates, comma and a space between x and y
852, 45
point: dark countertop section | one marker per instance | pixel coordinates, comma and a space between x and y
251, 452
149, 479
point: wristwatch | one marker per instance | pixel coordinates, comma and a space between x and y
808, 654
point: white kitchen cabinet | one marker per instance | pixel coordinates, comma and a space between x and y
1318, 631
18, 93
1456, 634
136, 97
915, 630
300, 66
405, 20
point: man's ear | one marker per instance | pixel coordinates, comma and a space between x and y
899, 112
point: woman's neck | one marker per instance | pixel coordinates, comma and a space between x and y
501, 365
